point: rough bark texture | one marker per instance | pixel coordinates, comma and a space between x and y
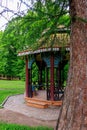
74, 109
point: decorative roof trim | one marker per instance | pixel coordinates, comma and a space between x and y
24, 53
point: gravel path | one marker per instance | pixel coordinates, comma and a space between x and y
16, 111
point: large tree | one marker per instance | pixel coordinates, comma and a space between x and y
73, 114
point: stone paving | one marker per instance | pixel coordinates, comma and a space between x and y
17, 104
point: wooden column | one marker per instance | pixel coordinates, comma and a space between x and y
59, 75
47, 85
52, 77
59, 80
30, 82
27, 79
40, 76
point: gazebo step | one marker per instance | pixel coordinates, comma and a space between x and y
39, 103
56, 103
36, 99
36, 103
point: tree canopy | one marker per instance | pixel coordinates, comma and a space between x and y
42, 20
24, 31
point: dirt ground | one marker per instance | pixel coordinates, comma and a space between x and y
18, 118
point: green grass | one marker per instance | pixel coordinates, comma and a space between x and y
8, 88
6, 126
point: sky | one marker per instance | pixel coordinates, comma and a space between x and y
15, 6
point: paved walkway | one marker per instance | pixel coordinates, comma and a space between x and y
17, 104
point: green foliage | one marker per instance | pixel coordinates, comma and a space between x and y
1, 53
65, 74
65, 20
66, 68
34, 72
25, 32
42, 21
10, 65
7, 126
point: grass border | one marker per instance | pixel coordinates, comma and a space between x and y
2, 104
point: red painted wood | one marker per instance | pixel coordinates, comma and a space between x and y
27, 79
52, 77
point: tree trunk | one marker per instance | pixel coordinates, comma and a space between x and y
74, 109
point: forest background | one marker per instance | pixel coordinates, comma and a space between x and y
25, 30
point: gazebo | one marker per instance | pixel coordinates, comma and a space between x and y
51, 60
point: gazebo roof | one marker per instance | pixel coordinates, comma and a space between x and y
46, 44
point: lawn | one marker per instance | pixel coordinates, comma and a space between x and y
5, 126
10, 87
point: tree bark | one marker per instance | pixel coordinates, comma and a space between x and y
74, 108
